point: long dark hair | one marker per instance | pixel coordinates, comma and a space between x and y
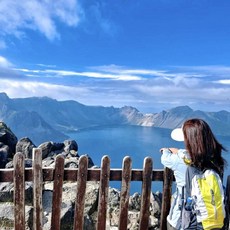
203, 147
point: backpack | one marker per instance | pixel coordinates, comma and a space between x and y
203, 202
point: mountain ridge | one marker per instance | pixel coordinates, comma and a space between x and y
43, 118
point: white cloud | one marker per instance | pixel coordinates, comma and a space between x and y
16, 89
224, 81
118, 86
4, 63
125, 70
208, 98
187, 82
40, 15
121, 76
211, 68
59, 73
6, 69
203, 71
47, 66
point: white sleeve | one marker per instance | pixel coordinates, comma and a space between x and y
169, 159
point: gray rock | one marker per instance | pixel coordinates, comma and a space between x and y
135, 202
7, 216
71, 162
46, 148
70, 145
25, 146
8, 138
4, 155
7, 192
48, 162
50, 148
9, 165
28, 164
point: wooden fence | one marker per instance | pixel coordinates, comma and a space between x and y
19, 174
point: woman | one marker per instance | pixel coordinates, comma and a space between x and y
175, 159
203, 151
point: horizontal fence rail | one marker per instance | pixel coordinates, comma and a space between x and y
103, 175
6, 175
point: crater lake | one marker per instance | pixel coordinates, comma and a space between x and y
137, 142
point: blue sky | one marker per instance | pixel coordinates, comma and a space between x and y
150, 54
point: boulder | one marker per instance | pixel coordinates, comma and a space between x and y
8, 138
4, 154
50, 148
25, 146
70, 145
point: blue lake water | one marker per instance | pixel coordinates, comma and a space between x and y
134, 141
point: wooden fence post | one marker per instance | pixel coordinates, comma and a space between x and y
19, 191
37, 189
146, 192
57, 193
166, 197
81, 189
125, 187
103, 193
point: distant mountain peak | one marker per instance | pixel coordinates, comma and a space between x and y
182, 109
3, 96
129, 109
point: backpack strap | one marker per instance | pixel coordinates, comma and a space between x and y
189, 220
186, 189
227, 204
188, 179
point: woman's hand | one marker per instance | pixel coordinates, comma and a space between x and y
172, 150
